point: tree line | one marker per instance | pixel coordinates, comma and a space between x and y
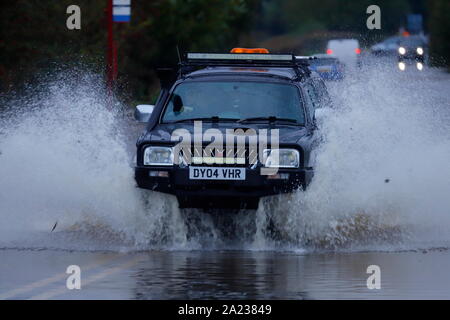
34, 37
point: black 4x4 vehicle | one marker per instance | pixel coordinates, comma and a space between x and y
267, 101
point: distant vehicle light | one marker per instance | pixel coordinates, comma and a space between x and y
402, 66
419, 66
329, 51
247, 50
358, 51
419, 50
401, 50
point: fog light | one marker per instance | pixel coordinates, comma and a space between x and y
279, 176
419, 66
161, 174
402, 66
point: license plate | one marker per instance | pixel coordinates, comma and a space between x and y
216, 173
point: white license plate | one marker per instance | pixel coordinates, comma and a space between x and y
216, 173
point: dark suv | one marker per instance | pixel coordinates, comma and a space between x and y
228, 129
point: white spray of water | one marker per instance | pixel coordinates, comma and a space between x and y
382, 175
64, 160
383, 171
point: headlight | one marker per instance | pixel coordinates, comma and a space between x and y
419, 50
402, 66
282, 158
401, 50
158, 156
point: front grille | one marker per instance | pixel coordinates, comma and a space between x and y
203, 156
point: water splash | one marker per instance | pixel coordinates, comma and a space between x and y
63, 158
382, 171
382, 175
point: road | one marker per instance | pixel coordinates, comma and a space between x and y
380, 197
224, 275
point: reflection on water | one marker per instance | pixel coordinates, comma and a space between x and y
220, 275
274, 275
225, 275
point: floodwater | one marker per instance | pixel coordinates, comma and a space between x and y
379, 197
225, 275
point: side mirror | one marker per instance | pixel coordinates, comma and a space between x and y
177, 103
143, 112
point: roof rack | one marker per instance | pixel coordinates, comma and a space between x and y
196, 61
303, 58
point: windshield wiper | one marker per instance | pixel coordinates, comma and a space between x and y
213, 119
270, 119
217, 119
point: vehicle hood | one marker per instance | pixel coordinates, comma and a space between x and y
162, 133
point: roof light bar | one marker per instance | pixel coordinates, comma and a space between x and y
235, 56
250, 50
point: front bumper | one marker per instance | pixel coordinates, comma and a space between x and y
220, 193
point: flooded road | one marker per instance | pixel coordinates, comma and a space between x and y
224, 275
379, 197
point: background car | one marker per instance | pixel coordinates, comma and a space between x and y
348, 51
327, 66
411, 51
387, 47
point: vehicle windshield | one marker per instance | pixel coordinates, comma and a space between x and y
234, 100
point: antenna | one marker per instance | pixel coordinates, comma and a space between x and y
179, 56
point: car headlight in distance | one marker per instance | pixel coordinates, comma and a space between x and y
282, 158
419, 50
419, 66
402, 66
158, 156
401, 50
